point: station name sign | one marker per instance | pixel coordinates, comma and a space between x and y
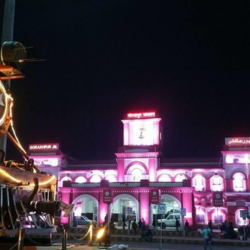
44, 147
238, 141
141, 115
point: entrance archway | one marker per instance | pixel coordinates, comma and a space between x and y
173, 207
125, 205
87, 205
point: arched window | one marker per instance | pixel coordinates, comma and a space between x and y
136, 174
80, 179
111, 178
218, 217
200, 216
239, 221
239, 182
180, 177
164, 178
216, 183
95, 178
199, 183
65, 178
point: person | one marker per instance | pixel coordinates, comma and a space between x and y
139, 224
134, 226
148, 236
187, 228
210, 225
143, 227
223, 230
177, 224
230, 231
206, 231
123, 221
106, 219
154, 225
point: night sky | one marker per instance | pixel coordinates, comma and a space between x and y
188, 60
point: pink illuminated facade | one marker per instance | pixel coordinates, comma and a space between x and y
138, 179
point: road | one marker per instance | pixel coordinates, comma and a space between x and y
73, 245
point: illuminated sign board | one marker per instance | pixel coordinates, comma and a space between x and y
141, 115
240, 141
218, 199
44, 147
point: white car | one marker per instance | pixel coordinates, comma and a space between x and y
169, 220
83, 221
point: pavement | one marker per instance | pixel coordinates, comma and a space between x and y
193, 237
77, 241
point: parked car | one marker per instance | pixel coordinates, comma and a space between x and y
169, 220
83, 221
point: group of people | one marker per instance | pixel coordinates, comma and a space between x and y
227, 231
146, 233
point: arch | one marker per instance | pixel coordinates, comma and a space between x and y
199, 183
64, 178
180, 177
239, 220
164, 178
134, 163
218, 215
111, 178
95, 178
118, 208
80, 179
239, 181
171, 201
78, 203
216, 183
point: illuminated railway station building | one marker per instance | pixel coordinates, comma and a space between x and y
138, 179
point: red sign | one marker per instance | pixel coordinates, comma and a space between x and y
218, 199
44, 147
107, 196
141, 115
154, 196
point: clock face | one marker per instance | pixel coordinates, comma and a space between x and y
142, 133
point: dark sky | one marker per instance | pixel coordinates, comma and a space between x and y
189, 60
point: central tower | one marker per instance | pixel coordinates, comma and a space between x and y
138, 157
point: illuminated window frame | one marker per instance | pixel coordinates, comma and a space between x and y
216, 183
199, 183
239, 182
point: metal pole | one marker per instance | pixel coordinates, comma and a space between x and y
7, 35
90, 241
161, 232
64, 240
20, 239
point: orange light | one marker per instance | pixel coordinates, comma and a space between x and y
4, 173
100, 233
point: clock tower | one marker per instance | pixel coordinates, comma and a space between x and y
138, 158
141, 129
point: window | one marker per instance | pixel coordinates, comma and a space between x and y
164, 178
111, 178
199, 183
95, 178
216, 183
180, 178
80, 179
239, 220
200, 216
239, 182
136, 174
